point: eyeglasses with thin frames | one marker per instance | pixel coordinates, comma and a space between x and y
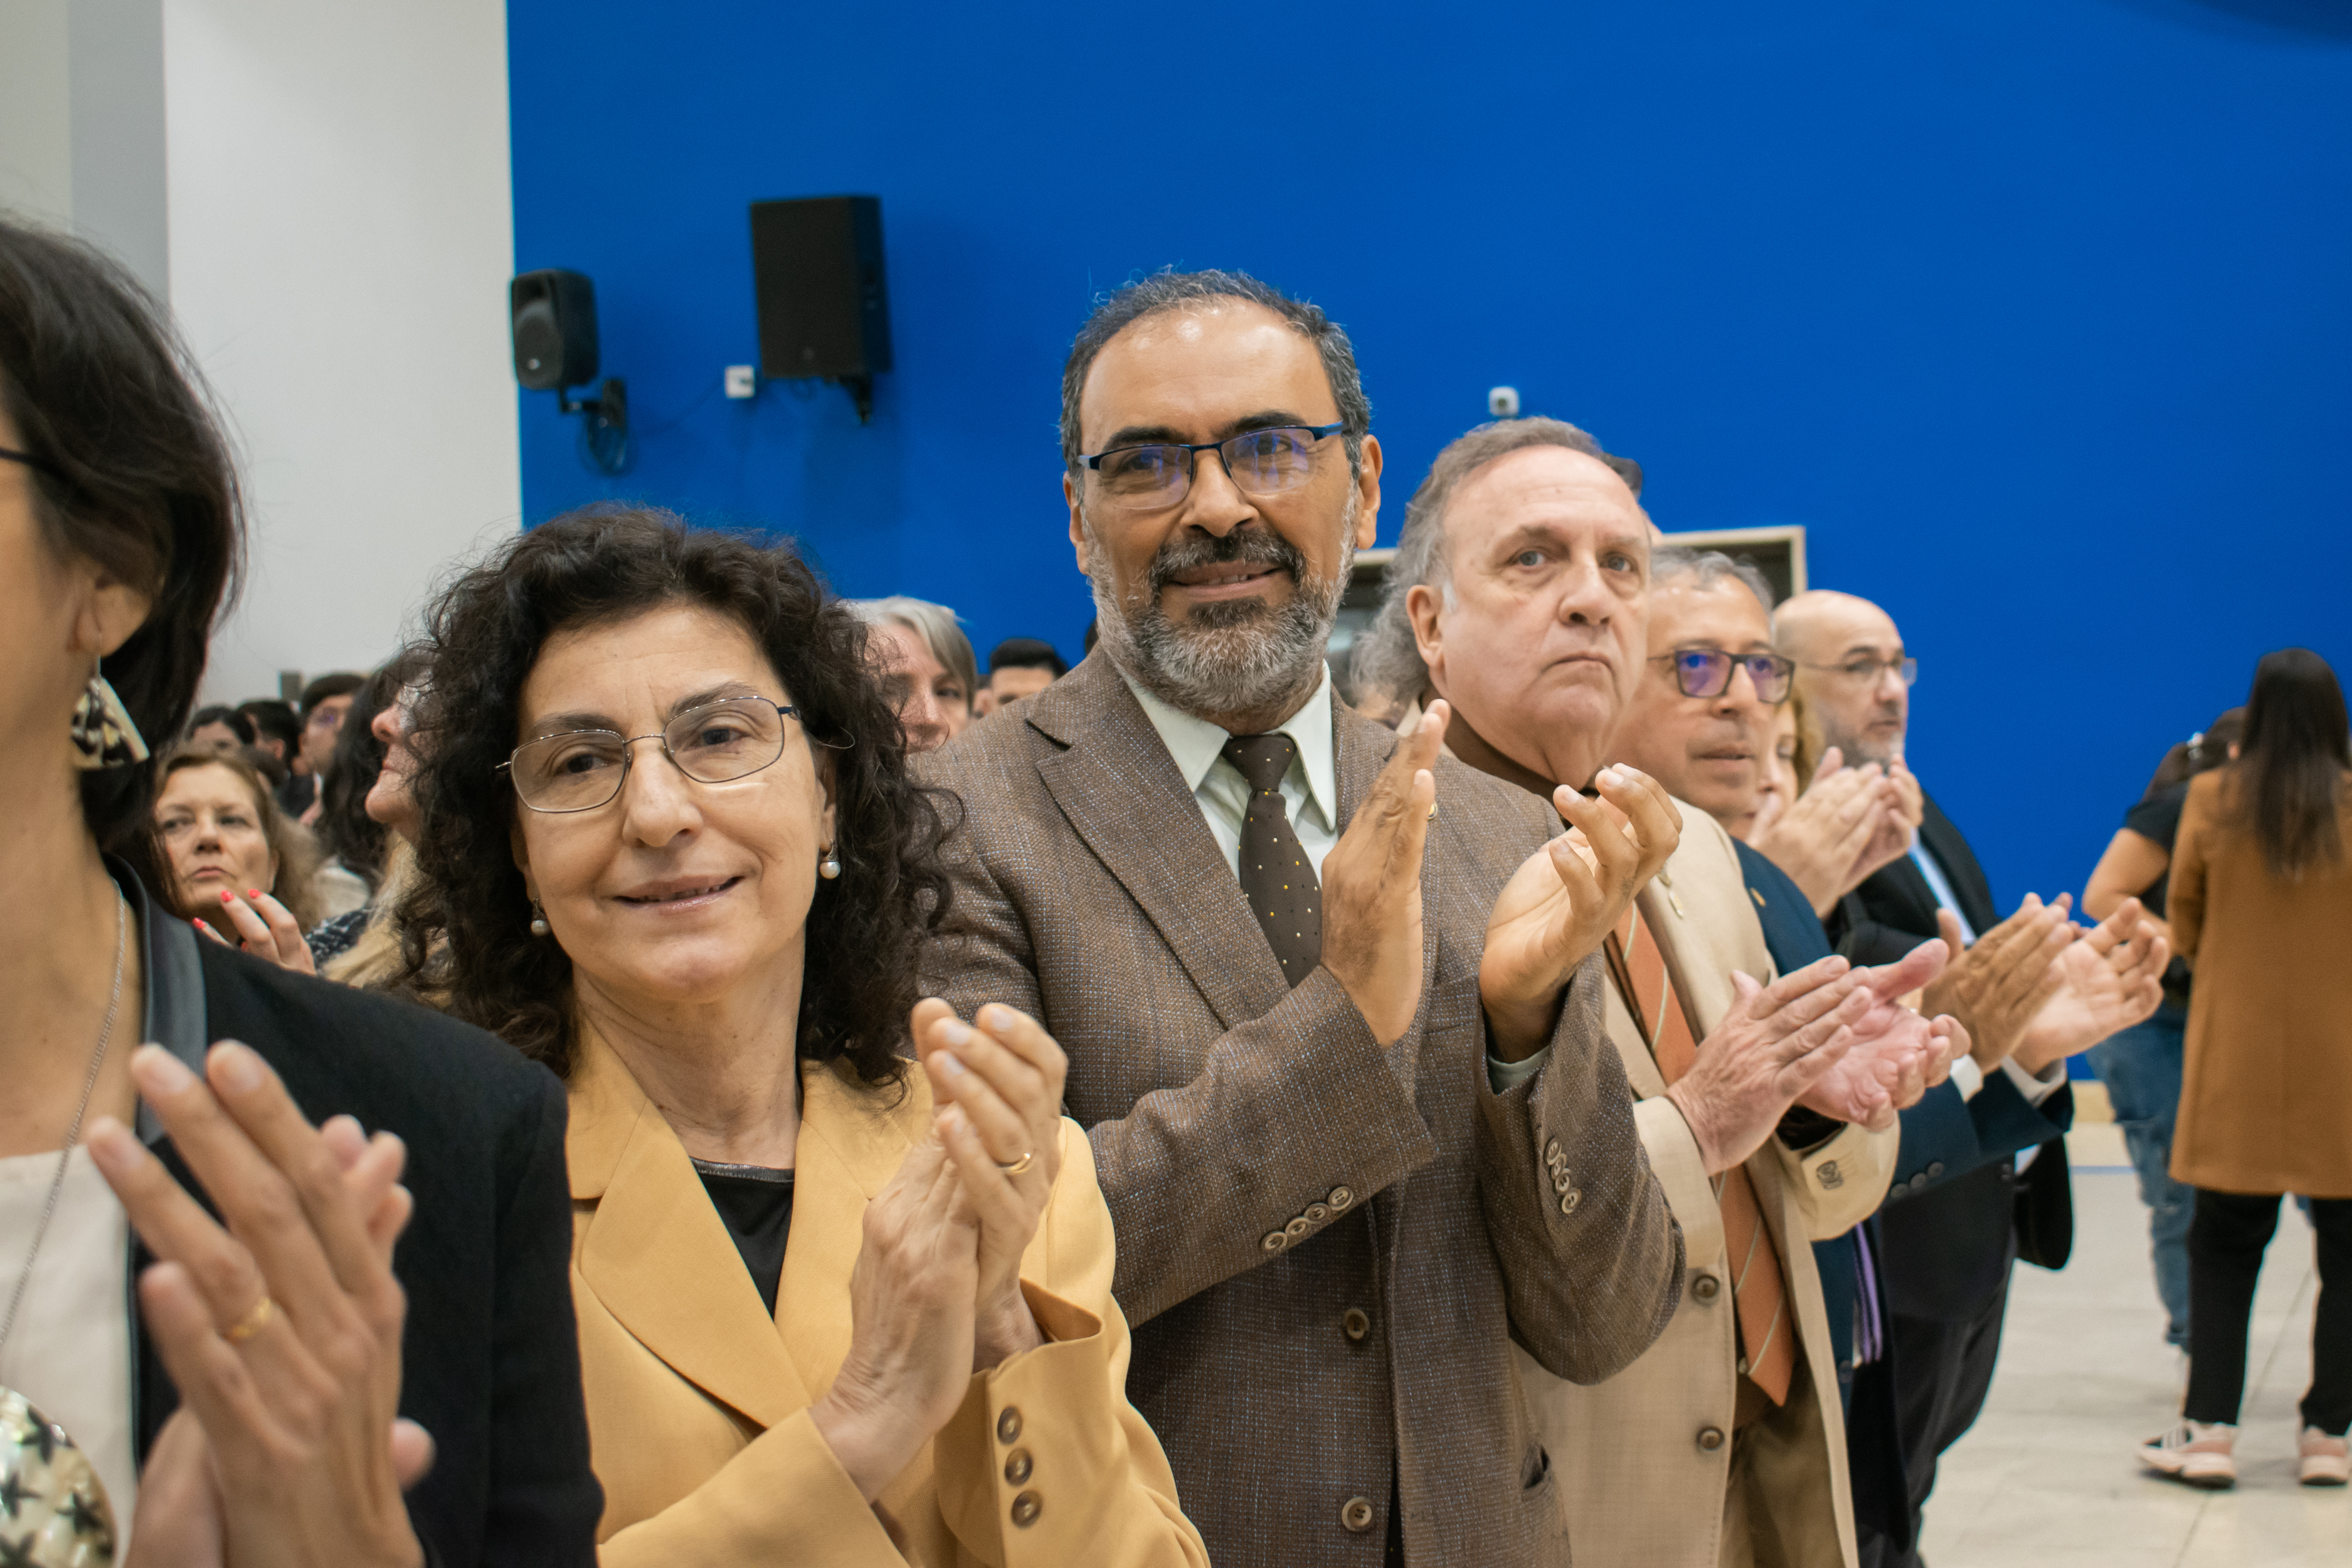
1707, 672
1865, 670
581, 770
1259, 462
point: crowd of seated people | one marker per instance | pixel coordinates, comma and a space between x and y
683, 1069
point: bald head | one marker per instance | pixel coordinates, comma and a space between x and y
1850, 663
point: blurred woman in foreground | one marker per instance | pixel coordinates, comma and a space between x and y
669, 847
234, 1400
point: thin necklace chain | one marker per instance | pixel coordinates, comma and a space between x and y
64, 1155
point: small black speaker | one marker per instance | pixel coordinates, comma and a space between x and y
554, 328
816, 269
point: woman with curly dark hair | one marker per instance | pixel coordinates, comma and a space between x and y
668, 846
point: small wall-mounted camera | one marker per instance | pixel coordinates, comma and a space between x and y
1503, 402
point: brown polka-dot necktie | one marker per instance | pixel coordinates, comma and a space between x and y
1277, 877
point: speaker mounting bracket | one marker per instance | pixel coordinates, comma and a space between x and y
604, 434
861, 392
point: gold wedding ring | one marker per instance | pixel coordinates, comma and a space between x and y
1019, 1165
252, 1323
1433, 811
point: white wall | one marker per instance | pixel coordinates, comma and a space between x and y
342, 234
36, 110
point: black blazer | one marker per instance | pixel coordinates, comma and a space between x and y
491, 1360
1947, 1250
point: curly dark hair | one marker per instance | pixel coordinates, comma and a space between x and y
465, 934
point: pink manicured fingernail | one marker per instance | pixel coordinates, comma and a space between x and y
253, 893
227, 897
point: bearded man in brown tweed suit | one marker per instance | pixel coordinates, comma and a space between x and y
1332, 1001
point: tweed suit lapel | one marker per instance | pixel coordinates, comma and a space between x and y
1115, 782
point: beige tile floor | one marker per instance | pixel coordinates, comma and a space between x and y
2046, 1477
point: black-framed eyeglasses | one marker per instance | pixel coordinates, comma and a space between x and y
581, 770
1707, 672
1260, 463
1865, 670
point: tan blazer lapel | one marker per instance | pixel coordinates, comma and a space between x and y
656, 1252
1120, 790
852, 1143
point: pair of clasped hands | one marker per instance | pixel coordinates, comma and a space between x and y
280, 1321
1829, 1037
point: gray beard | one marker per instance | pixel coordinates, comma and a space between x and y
1858, 751
1232, 657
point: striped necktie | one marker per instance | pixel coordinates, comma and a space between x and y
1768, 1355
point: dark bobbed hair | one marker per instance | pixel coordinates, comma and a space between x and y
130, 470
466, 933
345, 830
1026, 653
2288, 783
1171, 289
2200, 754
238, 724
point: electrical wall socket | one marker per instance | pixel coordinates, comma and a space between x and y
742, 380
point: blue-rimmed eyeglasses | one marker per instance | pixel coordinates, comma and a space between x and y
581, 770
1260, 463
1707, 672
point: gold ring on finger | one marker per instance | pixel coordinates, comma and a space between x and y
252, 1323
1018, 1166
1433, 811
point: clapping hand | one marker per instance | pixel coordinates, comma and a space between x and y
281, 1331
1897, 1055
2111, 977
1849, 822
1996, 987
266, 928
1372, 884
998, 1088
1565, 898
1774, 1045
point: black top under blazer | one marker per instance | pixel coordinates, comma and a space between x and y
491, 1361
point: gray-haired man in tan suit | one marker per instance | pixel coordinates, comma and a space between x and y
1519, 594
1291, 956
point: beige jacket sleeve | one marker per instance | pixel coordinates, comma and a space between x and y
1838, 1183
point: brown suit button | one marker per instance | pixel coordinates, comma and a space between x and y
1275, 1241
1026, 1507
1552, 1155
1356, 1323
1356, 1514
1008, 1424
1710, 1438
1341, 1198
1707, 1286
1296, 1228
1569, 1199
1017, 1466
1317, 1213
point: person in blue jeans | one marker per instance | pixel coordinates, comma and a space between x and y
2141, 1065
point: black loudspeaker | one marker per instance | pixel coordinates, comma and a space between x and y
554, 328
816, 271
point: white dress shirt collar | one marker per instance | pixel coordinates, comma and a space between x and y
1196, 744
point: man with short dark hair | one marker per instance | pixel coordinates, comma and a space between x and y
1330, 999
276, 728
325, 702
1018, 668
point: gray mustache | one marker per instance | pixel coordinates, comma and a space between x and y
1258, 547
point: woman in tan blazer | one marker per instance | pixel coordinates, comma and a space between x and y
2261, 902
834, 1306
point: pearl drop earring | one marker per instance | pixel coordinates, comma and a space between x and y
538, 920
830, 867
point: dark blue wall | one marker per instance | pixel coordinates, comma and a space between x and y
2038, 314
